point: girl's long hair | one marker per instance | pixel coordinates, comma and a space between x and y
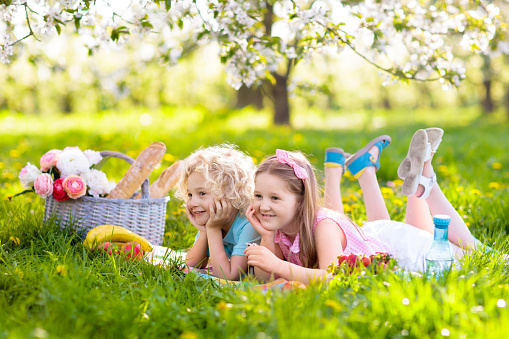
307, 203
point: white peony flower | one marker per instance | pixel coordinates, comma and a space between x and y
72, 161
97, 183
28, 174
93, 157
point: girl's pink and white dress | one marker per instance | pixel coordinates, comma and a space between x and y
407, 244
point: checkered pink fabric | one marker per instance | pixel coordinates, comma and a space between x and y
290, 250
356, 240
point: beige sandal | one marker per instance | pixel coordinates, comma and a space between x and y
410, 169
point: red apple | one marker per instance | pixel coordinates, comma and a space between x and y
365, 261
132, 250
352, 260
341, 258
107, 246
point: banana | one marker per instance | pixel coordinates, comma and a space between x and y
115, 233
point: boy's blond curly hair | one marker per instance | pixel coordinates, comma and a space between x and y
228, 172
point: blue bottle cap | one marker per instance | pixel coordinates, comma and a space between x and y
441, 220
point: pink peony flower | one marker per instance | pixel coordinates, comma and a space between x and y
50, 159
44, 185
28, 174
59, 194
74, 186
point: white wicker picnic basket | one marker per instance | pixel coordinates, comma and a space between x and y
144, 216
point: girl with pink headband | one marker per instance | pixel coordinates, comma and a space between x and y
300, 238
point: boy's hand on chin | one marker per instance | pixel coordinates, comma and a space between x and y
263, 258
221, 212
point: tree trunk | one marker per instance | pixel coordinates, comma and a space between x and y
281, 106
487, 102
247, 96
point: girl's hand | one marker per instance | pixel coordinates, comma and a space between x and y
192, 219
221, 212
253, 219
263, 258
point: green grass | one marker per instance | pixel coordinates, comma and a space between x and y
51, 286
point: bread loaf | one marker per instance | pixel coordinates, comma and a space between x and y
166, 181
146, 161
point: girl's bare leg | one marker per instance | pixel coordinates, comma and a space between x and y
373, 198
417, 211
332, 193
459, 234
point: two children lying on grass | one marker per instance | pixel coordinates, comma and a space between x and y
299, 238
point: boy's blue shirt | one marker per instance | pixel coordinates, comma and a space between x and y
240, 233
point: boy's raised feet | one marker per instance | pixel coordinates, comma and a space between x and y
368, 156
416, 169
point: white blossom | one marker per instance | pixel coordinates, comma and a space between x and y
28, 174
72, 161
97, 183
93, 157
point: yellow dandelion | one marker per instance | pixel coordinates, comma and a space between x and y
345, 199
443, 169
221, 305
354, 206
1, 165
353, 197
467, 223
19, 272
170, 157
475, 191
255, 161
348, 175
496, 165
397, 202
297, 137
386, 190
62, 270
398, 182
460, 189
167, 234
14, 153
347, 208
15, 240
333, 304
257, 153
8, 175
188, 335
495, 185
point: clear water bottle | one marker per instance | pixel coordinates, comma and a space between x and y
440, 256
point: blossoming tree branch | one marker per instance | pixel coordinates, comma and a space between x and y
264, 40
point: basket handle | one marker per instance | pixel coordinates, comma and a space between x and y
144, 187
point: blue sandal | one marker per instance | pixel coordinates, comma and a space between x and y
358, 162
335, 157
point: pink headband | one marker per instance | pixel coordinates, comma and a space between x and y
284, 158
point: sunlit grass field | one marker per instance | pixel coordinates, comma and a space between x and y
50, 286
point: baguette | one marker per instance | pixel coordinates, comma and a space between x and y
166, 181
146, 161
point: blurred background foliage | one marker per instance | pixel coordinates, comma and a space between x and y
60, 77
